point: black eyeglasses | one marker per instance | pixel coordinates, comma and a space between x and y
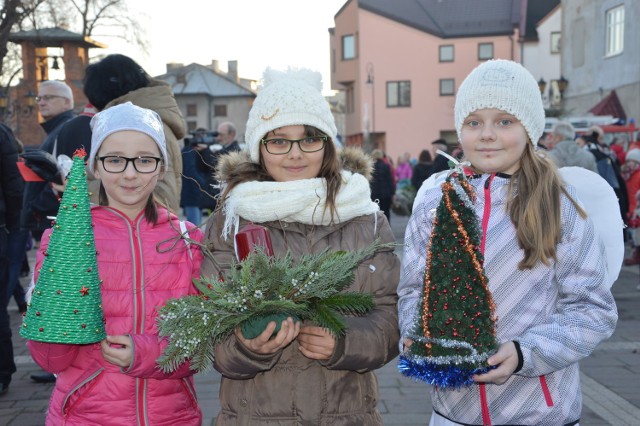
279, 146
46, 98
118, 164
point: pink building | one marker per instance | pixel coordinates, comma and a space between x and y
400, 63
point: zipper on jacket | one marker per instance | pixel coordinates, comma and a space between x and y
486, 416
138, 295
138, 305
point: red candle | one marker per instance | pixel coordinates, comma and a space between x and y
250, 236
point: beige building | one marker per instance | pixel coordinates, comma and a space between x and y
208, 96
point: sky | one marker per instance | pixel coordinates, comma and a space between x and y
256, 33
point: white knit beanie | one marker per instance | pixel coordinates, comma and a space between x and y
633, 155
288, 98
126, 116
503, 85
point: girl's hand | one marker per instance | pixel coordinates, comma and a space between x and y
118, 350
59, 188
406, 342
507, 361
316, 342
264, 344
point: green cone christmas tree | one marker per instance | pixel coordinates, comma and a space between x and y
456, 331
66, 305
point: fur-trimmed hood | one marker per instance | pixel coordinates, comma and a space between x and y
237, 164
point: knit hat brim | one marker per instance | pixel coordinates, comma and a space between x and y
125, 117
503, 85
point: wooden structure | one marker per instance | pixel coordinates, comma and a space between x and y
35, 65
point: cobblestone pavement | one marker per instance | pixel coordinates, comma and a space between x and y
610, 376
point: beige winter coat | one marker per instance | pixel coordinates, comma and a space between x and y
287, 388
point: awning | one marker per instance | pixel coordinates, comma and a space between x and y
610, 105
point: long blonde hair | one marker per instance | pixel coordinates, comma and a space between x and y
533, 204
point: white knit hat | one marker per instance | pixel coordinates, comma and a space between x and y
126, 116
634, 155
288, 98
503, 85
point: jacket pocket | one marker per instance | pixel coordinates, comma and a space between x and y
80, 391
190, 391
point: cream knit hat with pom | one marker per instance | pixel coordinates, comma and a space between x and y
504, 85
288, 98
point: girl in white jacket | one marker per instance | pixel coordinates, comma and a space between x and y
543, 260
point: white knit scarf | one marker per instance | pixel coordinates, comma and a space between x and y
301, 201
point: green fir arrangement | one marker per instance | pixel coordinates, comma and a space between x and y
257, 290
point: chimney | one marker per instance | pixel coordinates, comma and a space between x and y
174, 66
215, 66
232, 70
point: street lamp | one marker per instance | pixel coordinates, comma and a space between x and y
562, 85
24, 108
370, 83
542, 85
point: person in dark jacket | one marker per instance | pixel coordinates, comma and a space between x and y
382, 186
11, 238
194, 182
55, 101
440, 163
422, 170
227, 138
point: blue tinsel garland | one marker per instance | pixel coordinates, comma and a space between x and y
441, 375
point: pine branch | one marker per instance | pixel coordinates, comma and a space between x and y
307, 288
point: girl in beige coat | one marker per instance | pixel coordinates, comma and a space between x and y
292, 181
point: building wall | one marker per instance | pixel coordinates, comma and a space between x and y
398, 52
538, 58
591, 75
237, 112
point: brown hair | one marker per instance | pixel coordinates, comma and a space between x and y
330, 171
533, 204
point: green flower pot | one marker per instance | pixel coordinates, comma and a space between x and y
254, 327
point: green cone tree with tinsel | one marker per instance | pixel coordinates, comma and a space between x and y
455, 334
66, 304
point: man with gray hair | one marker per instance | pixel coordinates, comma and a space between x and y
564, 151
55, 102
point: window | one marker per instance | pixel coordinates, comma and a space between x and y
348, 47
398, 93
555, 42
447, 87
485, 51
220, 110
446, 53
615, 31
181, 79
350, 99
192, 110
191, 126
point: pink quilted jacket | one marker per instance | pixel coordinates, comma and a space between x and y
142, 266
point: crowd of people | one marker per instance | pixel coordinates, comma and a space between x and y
548, 279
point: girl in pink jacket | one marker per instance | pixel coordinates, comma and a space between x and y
143, 262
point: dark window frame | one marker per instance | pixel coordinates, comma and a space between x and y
401, 102
344, 53
480, 57
453, 86
453, 53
